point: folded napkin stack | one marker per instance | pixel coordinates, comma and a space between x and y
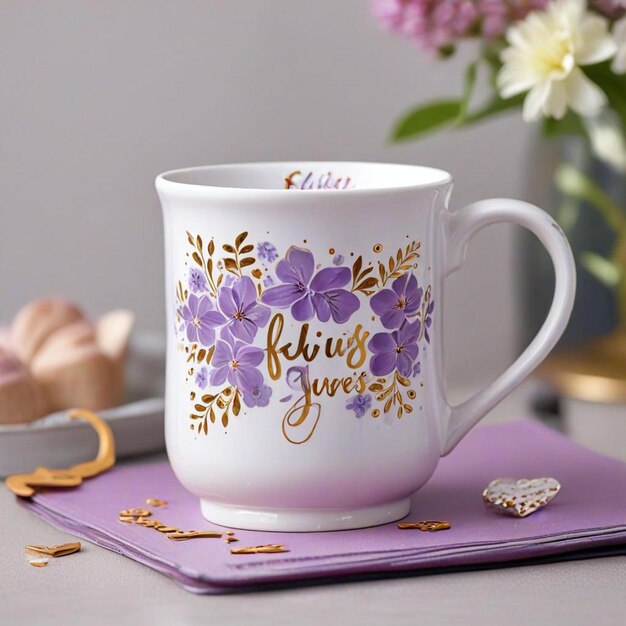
588, 518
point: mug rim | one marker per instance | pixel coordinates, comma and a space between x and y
167, 181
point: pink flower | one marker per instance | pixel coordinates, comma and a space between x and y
437, 24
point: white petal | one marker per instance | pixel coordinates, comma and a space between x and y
607, 140
594, 44
619, 62
555, 104
535, 101
619, 33
583, 95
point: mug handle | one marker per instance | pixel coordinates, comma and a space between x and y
460, 226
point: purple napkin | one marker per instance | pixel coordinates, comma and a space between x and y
589, 515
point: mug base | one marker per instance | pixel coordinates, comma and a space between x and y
303, 520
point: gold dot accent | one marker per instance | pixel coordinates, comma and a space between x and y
378, 248
331, 251
375, 412
411, 393
156, 502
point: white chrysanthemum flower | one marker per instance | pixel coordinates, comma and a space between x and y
619, 33
544, 57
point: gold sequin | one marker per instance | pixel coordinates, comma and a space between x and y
194, 534
135, 513
378, 248
155, 502
270, 548
62, 549
426, 525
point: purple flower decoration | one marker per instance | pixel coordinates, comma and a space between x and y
236, 362
429, 320
338, 259
268, 281
202, 377
197, 280
259, 395
266, 251
360, 404
400, 302
243, 315
200, 320
322, 295
395, 351
417, 369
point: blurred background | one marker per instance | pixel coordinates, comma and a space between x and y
99, 97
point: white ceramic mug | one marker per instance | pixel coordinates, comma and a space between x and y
304, 303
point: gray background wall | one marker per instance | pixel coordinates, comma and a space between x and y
96, 98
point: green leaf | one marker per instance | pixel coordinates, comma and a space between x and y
495, 106
426, 118
574, 183
607, 272
614, 85
571, 124
468, 89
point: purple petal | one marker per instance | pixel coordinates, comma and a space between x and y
218, 376
249, 399
302, 262
322, 308
282, 296
392, 319
302, 310
258, 314
383, 301
383, 364
331, 278
265, 393
192, 332
250, 356
245, 378
399, 284
206, 336
212, 319
226, 301
192, 303
412, 350
286, 273
186, 313
204, 305
223, 354
409, 333
342, 304
382, 343
244, 293
243, 329
405, 364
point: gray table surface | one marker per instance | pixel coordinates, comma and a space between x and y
100, 587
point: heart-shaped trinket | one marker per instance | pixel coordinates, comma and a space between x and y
521, 497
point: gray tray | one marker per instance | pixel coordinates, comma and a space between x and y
56, 441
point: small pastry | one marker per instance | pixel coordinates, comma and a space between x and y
35, 322
113, 333
78, 376
79, 333
21, 399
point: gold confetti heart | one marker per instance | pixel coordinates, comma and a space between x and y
522, 497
